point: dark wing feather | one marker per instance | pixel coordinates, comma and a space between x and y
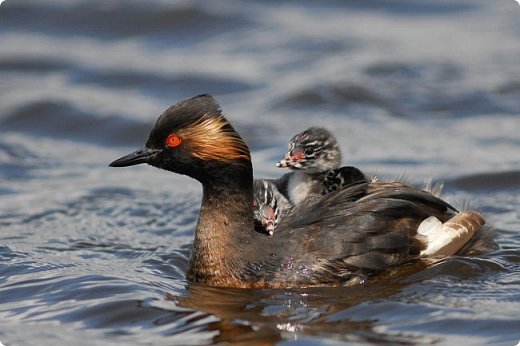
360, 230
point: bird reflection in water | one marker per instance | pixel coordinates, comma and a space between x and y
266, 316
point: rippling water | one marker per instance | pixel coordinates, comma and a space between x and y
92, 255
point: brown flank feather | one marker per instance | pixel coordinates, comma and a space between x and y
208, 139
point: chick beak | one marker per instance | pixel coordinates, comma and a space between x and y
283, 163
270, 228
137, 157
290, 159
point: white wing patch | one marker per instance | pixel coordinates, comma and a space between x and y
445, 239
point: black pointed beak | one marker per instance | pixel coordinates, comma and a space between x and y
137, 157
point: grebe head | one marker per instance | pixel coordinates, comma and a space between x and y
192, 138
314, 150
268, 205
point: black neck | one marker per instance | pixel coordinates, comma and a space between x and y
225, 220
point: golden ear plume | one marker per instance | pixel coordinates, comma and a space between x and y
208, 139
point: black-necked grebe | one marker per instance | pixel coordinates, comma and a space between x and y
336, 241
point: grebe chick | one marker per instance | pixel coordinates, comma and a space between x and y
268, 205
334, 242
314, 157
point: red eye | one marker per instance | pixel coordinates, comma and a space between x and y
173, 140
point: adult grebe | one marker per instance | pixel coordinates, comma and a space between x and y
342, 239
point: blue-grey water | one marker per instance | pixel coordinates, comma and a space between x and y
90, 255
